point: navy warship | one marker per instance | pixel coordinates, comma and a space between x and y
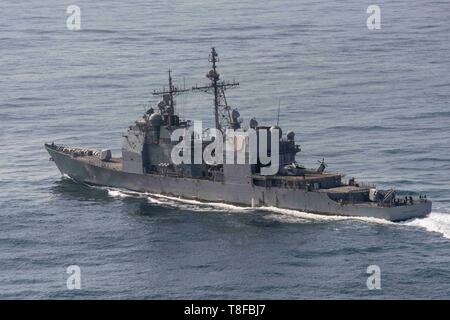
147, 165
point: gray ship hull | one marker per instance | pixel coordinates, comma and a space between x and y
239, 194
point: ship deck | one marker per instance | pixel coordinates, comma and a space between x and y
346, 189
113, 164
309, 176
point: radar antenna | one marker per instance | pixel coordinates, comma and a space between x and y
278, 117
222, 111
169, 94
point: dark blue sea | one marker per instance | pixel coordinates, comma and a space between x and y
373, 103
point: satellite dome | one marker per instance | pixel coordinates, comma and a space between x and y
212, 74
290, 135
156, 120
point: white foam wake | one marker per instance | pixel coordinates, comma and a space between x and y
117, 194
435, 222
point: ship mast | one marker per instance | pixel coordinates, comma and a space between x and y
213, 58
168, 95
221, 108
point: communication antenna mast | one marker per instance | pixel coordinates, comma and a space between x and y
169, 95
278, 117
222, 111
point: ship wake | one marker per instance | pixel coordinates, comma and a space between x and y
438, 222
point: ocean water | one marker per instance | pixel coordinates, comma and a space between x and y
374, 104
